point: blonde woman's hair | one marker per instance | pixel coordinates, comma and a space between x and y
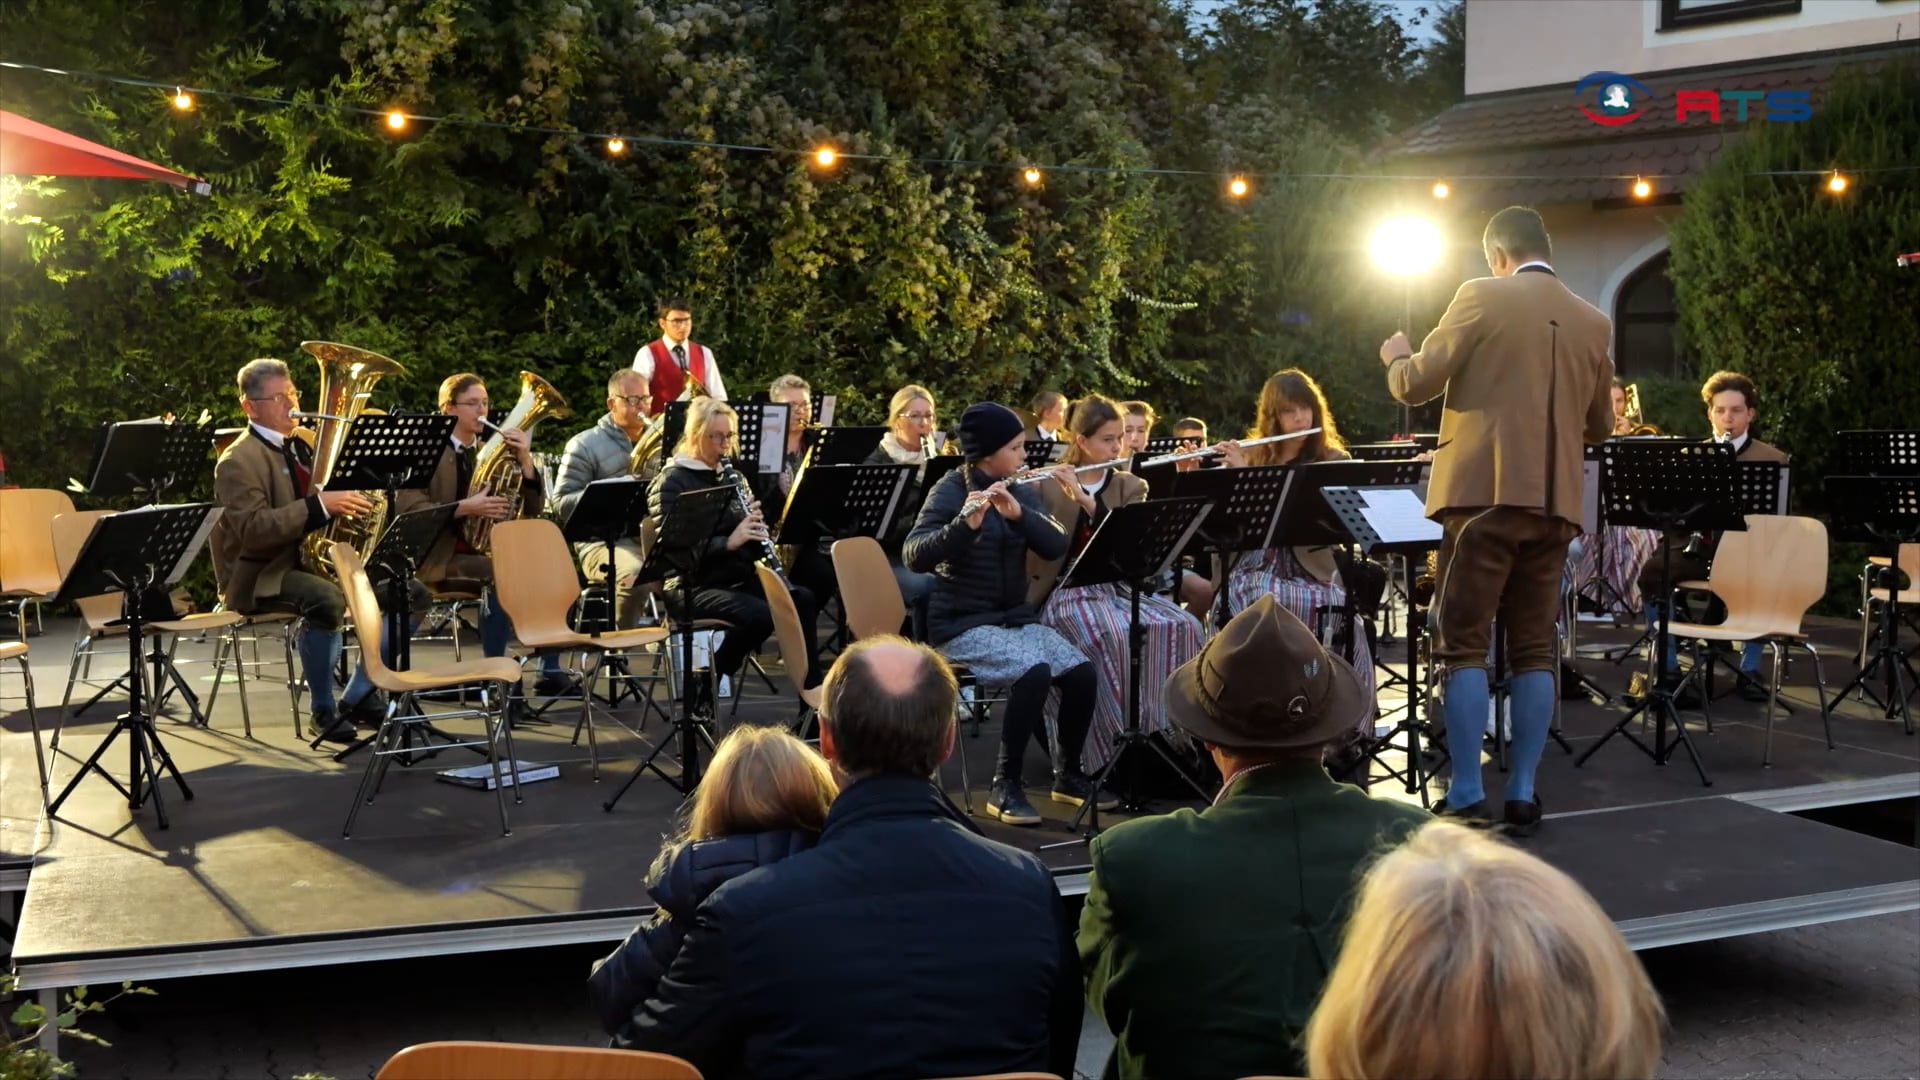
761, 779
700, 413
906, 396
1494, 965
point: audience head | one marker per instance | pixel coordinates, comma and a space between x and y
1094, 431
1514, 236
887, 707
911, 415
1731, 400
793, 390
267, 394
675, 314
708, 436
993, 439
1490, 963
628, 399
1265, 689
761, 779
1140, 419
1049, 409
1292, 401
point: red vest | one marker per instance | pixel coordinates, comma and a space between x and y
668, 380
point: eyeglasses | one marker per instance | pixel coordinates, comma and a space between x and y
678, 320
721, 438
924, 417
482, 403
632, 401
290, 397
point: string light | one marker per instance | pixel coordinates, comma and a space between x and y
1237, 187
396, 120
1837, 183
825, 157
181, 99
1441, 190
616, 146
1031, 175
1641, 189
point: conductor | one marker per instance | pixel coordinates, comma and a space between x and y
1523, 364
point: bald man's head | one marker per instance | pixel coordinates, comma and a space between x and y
888, 707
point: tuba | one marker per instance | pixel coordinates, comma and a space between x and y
495, 465
1636, 423
347, 375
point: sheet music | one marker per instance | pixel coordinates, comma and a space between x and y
1780, 497
825, 419
193, 547
1398, 516
773, 437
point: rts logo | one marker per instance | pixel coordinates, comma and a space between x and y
1621, 99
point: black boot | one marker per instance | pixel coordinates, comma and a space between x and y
1007, 803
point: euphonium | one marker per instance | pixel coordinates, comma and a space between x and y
1636, 424
647, 448
347, 375
495, 465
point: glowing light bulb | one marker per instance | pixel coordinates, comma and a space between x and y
1836, 183
181, 99
1237, 187
825, 157
1441, 190
1031, 175
396, 120
1641, 189
616, 146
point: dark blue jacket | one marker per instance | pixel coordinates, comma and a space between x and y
902, 945
983, 572
624, 979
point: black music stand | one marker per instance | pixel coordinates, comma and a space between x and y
391, 452
843, 445
833, 502
140, 553
1310, 520
1883, 510
824, 406
680, 549
1386, 451
749, 442
1878, 453
147, 458
675, 419
1044, 452
1133, 546
1673, 487
607, 512
938, 467
1246, 508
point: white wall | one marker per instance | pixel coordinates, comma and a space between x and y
1514, 44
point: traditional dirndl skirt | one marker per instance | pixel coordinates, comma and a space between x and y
1273, 570
998, 655
1615, 557
1094, 619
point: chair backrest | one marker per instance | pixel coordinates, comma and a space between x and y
69, 533
1908, 559
1009, 1076
364, 608
533, 576
522, 1061
1769, 575
867, 587
27, 562
787, 631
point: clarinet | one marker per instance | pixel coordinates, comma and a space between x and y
743, 497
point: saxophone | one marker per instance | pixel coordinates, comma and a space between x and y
744, 497
495, 465
347, 375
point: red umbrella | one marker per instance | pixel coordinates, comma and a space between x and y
30, 148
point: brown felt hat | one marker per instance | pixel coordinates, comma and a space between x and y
1265, 682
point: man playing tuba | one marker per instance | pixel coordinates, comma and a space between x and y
452, 562
262, 481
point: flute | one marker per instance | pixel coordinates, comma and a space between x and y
1188, 455
976, 499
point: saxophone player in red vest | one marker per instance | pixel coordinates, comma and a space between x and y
673, 362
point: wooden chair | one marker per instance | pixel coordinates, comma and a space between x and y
100, 615
1008, 1076
29, 573
792, 639
535, 582
17, 650
494, 675
522, 1061
1768, 576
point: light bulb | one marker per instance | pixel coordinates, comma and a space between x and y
1641, 189
181, 99
1237, 187
825, 157
616, 146
1441, 190
1031, 175
1836, 183
396, 120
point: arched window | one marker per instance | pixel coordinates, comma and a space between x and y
1646, 328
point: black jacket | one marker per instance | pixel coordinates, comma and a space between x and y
626, 977
983, 573
903, 944
717, 568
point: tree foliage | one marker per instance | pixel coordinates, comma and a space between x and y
494, 248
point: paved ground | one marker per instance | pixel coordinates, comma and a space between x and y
1839, 1000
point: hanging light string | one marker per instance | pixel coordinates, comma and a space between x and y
1238, 183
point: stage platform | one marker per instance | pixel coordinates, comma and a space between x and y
254, 875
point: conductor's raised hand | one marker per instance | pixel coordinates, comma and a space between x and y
1395, 347
483, 504
345, 503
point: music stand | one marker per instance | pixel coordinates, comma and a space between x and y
1132, 547
146, 458
1044, 452
1674, 487
139, 553
391, 566
1246, 508
680, 549
1386, 451
1883, 510
1878, 453
391, 452
676, 420
761, 436
937, 469
823, 408
607, 512
833, 502
843, 445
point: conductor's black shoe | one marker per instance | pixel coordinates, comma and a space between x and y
553, 684
329, 726
1476, 816
1008, 803
1073, 787
1522, 817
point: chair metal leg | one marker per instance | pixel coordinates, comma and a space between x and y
240, 668
228, 641
495, 720
590, 673
1820, 688
381, 739
1773, 700
513, 759
33, 721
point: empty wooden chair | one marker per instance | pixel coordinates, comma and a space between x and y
523, 1061
29, 573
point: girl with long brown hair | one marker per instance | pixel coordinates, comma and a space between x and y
765, 796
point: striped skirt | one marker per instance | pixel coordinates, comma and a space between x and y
1273, 570
1615, 557
1094, 619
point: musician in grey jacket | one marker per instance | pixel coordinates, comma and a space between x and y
603, 452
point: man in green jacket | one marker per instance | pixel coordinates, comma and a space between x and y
1206, 935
